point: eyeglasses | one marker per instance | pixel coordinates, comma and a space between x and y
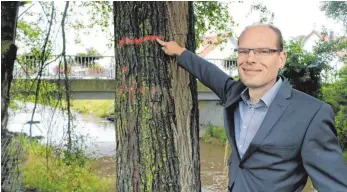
257, 51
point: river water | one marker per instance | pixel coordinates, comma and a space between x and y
99, 137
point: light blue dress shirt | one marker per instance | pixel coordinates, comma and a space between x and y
248, 117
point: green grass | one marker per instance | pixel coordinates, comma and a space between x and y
345, 156
13, 105
97, 108
43, 169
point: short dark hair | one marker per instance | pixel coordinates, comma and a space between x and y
274, 29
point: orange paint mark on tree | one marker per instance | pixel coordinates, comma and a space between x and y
125, 69
124, 89
128, 41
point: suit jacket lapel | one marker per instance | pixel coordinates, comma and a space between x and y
230, 109
278, 106
230, 106
236, 97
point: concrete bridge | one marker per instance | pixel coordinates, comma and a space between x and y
88, 84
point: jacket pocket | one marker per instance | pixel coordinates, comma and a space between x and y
283, 150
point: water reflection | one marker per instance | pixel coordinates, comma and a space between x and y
212, 166
99, 136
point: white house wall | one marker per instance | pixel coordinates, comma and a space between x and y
223, 51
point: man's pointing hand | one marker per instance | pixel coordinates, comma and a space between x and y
171, 48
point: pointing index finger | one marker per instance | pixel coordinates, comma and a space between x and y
162, 43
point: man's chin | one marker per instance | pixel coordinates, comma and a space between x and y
251, 83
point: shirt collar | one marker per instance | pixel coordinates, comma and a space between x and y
268, 97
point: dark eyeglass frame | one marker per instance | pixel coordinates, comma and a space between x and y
259, 50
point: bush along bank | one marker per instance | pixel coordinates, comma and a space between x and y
214, 134
46, 168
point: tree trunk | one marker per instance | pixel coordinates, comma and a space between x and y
9, 11
156, 112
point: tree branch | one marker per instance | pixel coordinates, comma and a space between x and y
43, 58
44, 11
67, 87
25, 10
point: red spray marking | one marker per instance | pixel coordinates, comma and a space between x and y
128, 41
154, 90
131, 91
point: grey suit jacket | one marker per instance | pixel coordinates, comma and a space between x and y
297, 137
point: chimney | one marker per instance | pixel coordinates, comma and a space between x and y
331, 36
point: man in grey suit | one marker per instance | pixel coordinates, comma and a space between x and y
279, 135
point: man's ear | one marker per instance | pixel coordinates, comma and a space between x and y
283, 59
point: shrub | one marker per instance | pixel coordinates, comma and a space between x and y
45, 170
215, 132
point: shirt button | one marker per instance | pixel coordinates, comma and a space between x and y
240, 146
244, 127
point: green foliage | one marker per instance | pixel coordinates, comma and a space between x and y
31, 38
22, 3
100, 13
215, 132
24, 91
266, 15
336, 95
303, 69
336, 10
49, 95
99, 16
90, 52
44, 170
341, 125
211, 16
31, 31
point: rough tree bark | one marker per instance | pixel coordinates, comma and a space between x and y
9, 11
156, 112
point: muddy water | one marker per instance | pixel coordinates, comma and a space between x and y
212, 166
212, 176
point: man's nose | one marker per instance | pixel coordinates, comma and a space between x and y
251, 56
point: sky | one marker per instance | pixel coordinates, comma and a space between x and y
293, 18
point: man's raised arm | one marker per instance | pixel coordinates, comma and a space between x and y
209, 74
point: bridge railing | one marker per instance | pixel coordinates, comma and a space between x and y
227, 65
84, 67
78, 67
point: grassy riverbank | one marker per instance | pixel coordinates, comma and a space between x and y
44, 168
214, 134
96, 108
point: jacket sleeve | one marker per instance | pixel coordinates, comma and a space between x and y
207, 73
321, 153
